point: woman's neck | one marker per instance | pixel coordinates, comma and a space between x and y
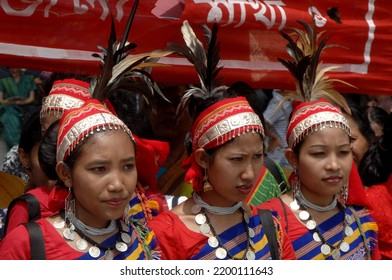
319, 200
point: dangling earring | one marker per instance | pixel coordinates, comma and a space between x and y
343, 195
69, 208
206, 184
296, 184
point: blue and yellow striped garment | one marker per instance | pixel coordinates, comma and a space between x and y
364, 232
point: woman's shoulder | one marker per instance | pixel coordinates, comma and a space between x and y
16, 244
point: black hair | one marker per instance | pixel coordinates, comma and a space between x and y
357, 114
379, 116
47, 151
376, 165
131, 110
31, 130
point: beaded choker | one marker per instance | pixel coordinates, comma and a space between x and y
313, 206
214, 209
123, 238
206, 227
326, 248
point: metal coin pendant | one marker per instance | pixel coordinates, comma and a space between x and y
325, 249
311, 224
304, 215
348, 231
344, 247
200, 219
316, 237
121, 246
221, 253
125, 228
213, 242
195, 208
250, 255
348, 219
294, 205
336, 254
68, 234
246, 218
94, 252
59, 224
109, 255
81, 244
204, 228
126, 237
251, 232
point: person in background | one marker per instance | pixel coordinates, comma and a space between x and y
165, 126
28, 150
65, 94
97, 181
17, 92
12, 163
278, 120
373, 156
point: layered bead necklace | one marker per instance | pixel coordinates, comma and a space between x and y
200, 209
73, 224
327, 249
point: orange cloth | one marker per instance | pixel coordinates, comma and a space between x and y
11, 187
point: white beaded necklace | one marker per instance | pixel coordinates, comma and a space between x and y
215, 209
300, 197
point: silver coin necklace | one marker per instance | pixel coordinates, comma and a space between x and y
221, 252
123, 238
326, 248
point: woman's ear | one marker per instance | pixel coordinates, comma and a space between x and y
64, 173
291, 158
201, 158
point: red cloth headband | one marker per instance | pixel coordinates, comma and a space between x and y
308, 117
65, 94
77, 123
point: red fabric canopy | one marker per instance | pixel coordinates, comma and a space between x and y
62, 35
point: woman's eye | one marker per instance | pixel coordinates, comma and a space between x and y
129, 166
236, 158
345, 152
258, 155
98, 169
318, 154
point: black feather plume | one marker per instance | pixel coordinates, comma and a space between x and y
205, 62
305, 47
122, 71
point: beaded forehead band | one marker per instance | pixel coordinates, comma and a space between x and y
65, 94
313, 116
224, 121
77, 124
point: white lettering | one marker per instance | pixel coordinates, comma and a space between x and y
260, 10
26, 12
80, 7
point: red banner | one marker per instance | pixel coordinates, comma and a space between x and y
62, 35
